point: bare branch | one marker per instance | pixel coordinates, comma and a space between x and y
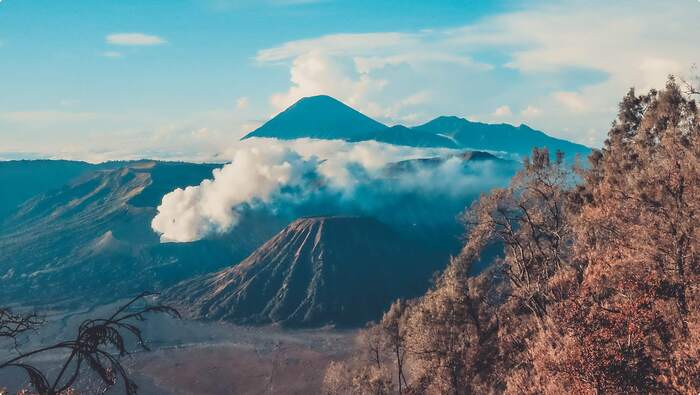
98, 345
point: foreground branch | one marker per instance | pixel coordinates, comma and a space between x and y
97, 347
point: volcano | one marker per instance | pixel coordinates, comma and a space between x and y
339, 270
323, 117
320, 117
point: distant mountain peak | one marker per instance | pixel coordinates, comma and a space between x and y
449, 118
324, 117
317, 102
502, 137
318, 98
321, 117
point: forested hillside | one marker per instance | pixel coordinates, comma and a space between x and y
597, 291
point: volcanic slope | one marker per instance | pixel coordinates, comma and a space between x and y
91, 240
338, 270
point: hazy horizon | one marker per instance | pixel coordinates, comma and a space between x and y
184, 79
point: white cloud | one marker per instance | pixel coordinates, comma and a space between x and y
41, 118
229, 5
317, 73
629, 43
619, 38
242, 103
137, 39
601, 49
547, 52
68, 102
503, 111
351, 67
112, 54
372, 51
530, 112
408, 109
98, 137
572, 101
296, 2
336, 44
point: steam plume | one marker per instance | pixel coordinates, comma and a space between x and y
267, 173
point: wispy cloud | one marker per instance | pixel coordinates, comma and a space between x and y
46, 117
530, 112
572, 101
351, 67
101, 136
537, 47
112, 54
134, 39
503, 111
242, 103
228, 5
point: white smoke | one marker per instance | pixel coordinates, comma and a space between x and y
254, 175
269, 172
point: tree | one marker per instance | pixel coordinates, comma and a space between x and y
460, 337
443, 336
634, 322
368, 371
598, 287
393, 328
97, 348
530, 218
12, 325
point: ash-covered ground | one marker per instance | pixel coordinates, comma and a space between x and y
190, 357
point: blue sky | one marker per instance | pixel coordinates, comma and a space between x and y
184, 78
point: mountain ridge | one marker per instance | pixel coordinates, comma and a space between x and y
323, 117
93, 236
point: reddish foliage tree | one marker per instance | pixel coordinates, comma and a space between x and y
598, 288
635, 316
